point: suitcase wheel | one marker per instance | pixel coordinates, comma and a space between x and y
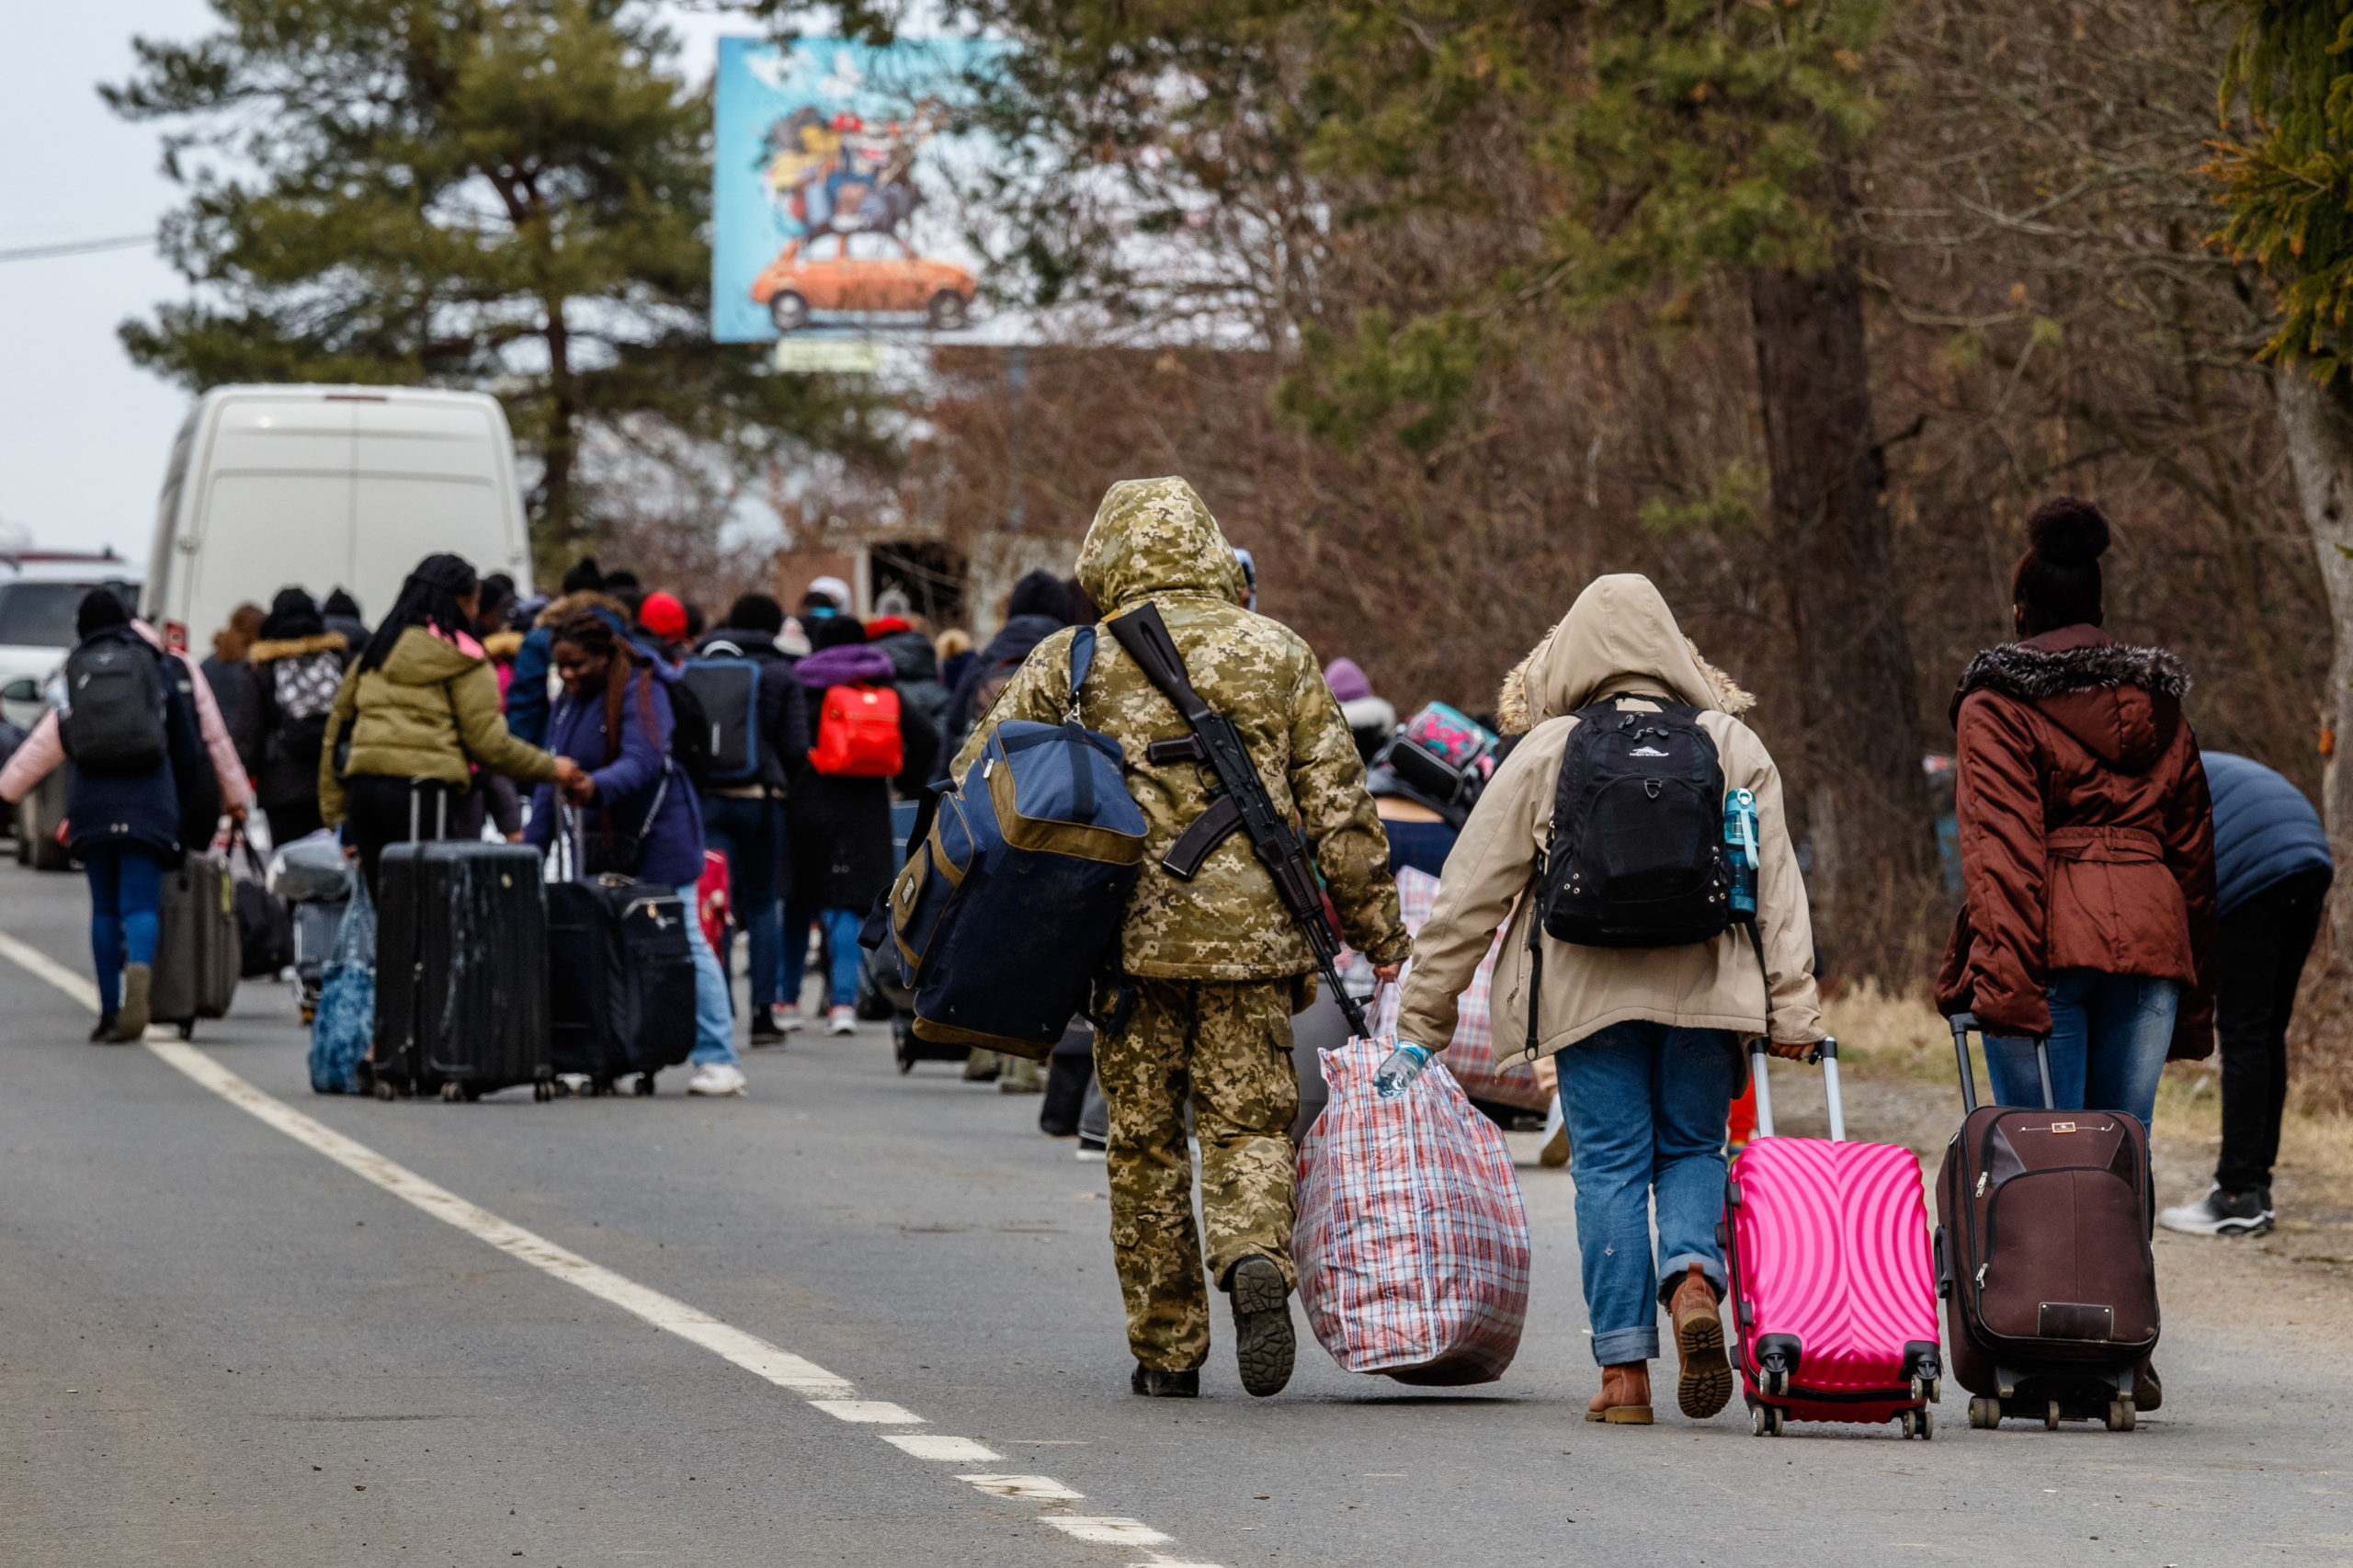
385, 1090
1920, 1423
2120, 1413
644, 1083
452, 1092
543, 1091
188, 1029
2051, 1415
1766, 1420
1986, 1414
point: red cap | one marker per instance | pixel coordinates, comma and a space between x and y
883, 625
664, 616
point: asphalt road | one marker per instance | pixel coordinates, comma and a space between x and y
218, 1346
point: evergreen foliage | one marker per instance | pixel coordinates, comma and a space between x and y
2289, 182
510, 195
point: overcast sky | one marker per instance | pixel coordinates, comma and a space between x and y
84, 432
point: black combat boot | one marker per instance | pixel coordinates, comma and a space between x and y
1264, 1344
1152, 1383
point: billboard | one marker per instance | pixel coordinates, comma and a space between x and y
832, 219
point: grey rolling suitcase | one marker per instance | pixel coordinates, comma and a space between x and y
199, 949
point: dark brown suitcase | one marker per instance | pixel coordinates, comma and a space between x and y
2044, 1221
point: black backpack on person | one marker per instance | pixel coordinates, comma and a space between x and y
690, 735
1636, 857
114, 723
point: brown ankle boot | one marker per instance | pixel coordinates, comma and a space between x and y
1705, 1386
1625, 1396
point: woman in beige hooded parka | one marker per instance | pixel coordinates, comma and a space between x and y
1651, 1041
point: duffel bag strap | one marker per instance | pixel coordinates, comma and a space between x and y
1082, 659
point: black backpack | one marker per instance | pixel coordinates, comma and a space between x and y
1636, 857
113, 725
689, 734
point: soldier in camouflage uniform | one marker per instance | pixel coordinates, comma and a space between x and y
1218, 964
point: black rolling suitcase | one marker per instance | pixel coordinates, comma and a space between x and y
2044, 1221
198, 950
461, 972
622, 973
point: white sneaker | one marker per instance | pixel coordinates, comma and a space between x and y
789, 1019
717, 1078
1088, 1149
842, 1020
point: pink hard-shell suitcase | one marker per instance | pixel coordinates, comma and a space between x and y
1832, 1289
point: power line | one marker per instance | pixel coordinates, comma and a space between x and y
76, 247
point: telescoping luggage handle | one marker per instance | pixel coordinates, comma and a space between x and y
1964, 1022
1825, 1050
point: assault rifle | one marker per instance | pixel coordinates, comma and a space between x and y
1239, 803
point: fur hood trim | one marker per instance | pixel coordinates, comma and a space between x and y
563, 609
1511, 700
295, 647
502, 644
2032, 675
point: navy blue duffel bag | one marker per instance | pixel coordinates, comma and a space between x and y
1016, 883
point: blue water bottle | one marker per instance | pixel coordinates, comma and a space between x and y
1740, 844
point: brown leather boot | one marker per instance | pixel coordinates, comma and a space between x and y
1625, 1396
1705, 1386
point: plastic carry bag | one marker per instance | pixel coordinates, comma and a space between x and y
346, 1023
310, 869
1411, 1241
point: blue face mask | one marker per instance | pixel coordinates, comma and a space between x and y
822, 612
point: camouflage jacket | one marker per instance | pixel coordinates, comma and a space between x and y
1155, 538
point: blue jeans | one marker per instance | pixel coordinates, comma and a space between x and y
839, 928
745, 832
2109, 1034
1646, 1104
126, 912
714, 1007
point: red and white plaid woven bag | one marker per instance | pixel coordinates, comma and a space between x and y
1411, 1242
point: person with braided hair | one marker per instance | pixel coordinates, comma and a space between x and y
638, 811
416, 712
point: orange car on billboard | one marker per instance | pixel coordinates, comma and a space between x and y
869, 273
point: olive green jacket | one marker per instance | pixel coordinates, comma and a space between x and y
431, 711
1152, 539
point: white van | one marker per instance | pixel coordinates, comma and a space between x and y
326, 487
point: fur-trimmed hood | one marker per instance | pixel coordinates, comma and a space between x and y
562, 609
2123, 703
295, 647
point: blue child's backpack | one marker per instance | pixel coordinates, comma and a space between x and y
1015, 884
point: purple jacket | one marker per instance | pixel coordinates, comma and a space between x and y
847, 664
625, 790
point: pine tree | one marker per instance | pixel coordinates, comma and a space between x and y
511, 195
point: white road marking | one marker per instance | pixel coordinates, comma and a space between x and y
1106, 1531
935, 1445
874, 1412
1038, 1488
825, 1390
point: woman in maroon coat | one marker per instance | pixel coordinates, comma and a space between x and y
2087, 843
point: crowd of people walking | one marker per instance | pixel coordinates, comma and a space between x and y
2120, 891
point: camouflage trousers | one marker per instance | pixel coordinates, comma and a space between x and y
1226, 1047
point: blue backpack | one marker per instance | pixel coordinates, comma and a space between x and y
1015, 884
726, 693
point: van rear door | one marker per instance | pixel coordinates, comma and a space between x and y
277, 506
428, 476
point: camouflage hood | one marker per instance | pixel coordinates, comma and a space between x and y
1156, 536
